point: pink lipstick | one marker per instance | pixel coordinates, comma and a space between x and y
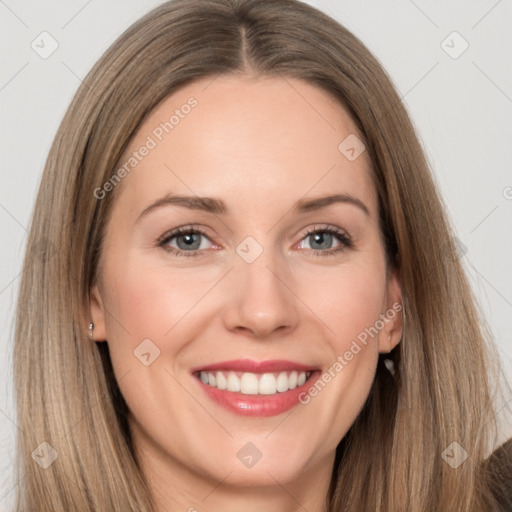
255, 388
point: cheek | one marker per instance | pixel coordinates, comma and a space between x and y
358, 309
149, 302
147, 310
348, 299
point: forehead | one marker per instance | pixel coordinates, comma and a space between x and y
249, 140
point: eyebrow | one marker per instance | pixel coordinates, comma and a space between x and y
218, 207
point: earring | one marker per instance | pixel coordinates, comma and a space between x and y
390, 365
91, 328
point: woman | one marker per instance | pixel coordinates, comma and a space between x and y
190, 346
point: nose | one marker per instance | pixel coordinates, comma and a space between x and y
261, 299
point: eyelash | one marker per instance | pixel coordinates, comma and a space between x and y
343, 238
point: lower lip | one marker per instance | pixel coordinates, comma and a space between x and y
258, 405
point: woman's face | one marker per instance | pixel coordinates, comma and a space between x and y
278, 275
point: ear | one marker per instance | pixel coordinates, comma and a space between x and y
391, 334
97, 315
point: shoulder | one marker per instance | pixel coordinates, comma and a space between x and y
499, 468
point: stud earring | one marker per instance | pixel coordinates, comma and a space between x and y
91, 328
389, 363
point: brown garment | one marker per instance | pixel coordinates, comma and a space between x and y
499, 467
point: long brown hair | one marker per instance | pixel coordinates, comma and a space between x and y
446, 370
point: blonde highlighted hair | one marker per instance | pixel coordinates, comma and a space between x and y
446, 368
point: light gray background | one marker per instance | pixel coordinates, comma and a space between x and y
461, 106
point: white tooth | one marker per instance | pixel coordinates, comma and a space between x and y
222, 383
233, 382
292, 380
267, 385
282, 382
249, 384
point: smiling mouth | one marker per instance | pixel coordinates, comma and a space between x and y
248, 383
255, 388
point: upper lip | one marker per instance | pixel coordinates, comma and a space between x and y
248, 365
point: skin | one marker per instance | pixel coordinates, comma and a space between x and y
260, 145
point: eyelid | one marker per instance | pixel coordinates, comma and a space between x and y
325, 227
187, 228
163, 240
345, 239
